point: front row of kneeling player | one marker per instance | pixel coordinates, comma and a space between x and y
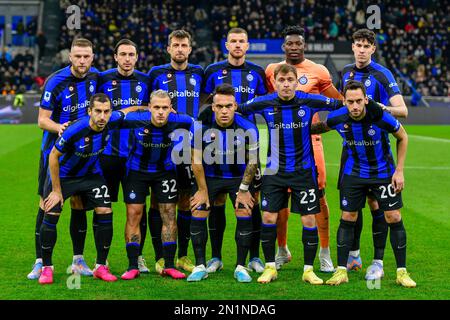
369, 166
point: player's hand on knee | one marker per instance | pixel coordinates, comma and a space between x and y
199, 198
245, 199
398, 181
52, 200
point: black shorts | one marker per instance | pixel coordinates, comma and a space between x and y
354, 190
163, 185
218, 186
185, 177
92, 189
114, 171
42, 175
304, 191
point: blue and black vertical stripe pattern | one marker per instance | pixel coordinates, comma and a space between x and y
68, 98
231, 146
379, 82
183, 86
248, 80
124, 92
366, 144
152, 146
81, 146
289, 124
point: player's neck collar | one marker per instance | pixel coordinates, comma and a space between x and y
232, 66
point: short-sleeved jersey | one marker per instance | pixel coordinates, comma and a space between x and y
312, 78
124, 92
183, 86
152, 146
68, 98
289, 124
225, 150
379, 82
248, 79
366, 143
81, 146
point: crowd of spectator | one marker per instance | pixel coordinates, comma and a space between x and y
148, 23
412, 40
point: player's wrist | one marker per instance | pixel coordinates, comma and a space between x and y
243, 187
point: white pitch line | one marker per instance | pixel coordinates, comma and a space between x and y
426, 138
406, 167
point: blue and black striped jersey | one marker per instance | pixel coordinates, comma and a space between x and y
225, 150
124, 92
68, 98
248, 80
152, 146
366, 144
183, 86
379, 82
81, 146
289, 124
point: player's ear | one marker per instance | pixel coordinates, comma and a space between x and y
226, 45
282, 47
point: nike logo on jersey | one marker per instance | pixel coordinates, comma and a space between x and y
392, 204
67, 97
111, 89
272, 113
141, 134
343, 131
167, 81
82, 147
221, 77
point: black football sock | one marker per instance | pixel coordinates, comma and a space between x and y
184, 232
132, 254
345, 236
37, 233
217, 224
48, 237
398, 242
94, 223
379, 233
358, 230
243, 238
143, 228
256, 231
268, 238
310, 239
199, 237
103, 236
155, 232
169, 249
78, 228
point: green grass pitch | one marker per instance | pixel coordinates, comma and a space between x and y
426, 216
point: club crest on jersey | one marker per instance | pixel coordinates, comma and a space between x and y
47, 96
70, 88
345, 126
371, 132
367, 83
169, 75
138, 89
250, 77
192, 81
86, 139
91, 88
303, 80
114, 82
224, 71
301, 113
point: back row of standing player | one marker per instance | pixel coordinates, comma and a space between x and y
67, 91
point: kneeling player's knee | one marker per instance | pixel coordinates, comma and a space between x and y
392, 216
